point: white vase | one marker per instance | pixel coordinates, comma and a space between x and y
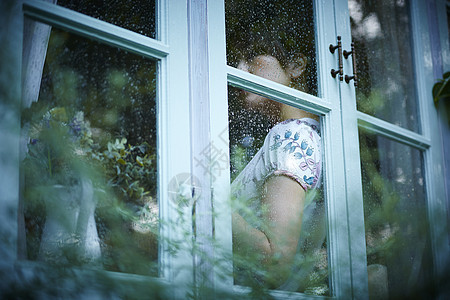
69, 232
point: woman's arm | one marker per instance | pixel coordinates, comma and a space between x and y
276, 243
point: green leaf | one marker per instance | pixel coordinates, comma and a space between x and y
441, 89
139, 161
436, 89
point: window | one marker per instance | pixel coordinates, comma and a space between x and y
97, 106
366, 140
275, 43
148, 98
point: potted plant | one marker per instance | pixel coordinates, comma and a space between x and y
97, 194
58, 177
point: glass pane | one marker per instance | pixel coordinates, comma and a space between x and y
90, 167
280, 29
398, 249
136, 15
381, 31
275, 157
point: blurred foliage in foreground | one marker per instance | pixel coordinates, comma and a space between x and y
90, 169
62, 154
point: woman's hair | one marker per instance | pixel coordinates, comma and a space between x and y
265, 44
282, 29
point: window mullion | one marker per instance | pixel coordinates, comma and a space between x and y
174, 153
201, 159
223, 268
283, 94
335, 175
393, 132
353, 182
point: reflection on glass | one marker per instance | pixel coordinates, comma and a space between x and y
282, 29
89, 172
279, 233
136, 15
398, 250
381, 31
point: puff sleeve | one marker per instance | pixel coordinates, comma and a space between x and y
293, 148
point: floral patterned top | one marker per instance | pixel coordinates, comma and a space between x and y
292, 148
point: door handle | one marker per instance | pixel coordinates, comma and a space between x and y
355, 76
333, 48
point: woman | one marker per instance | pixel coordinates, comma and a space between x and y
270, 193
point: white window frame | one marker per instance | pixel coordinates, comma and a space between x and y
428, 141
346, 239
326, 105
170, 52
179, 24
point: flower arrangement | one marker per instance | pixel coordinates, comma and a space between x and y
56, 147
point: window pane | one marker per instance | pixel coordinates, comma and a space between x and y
381, 31
281, 29
275, 156
136, 15
398, 249
90, 168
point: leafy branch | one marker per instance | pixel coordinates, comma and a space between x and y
441, 89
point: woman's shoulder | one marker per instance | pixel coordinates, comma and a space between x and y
293, 148
297, 123
292, 126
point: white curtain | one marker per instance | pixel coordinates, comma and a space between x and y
35, 42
